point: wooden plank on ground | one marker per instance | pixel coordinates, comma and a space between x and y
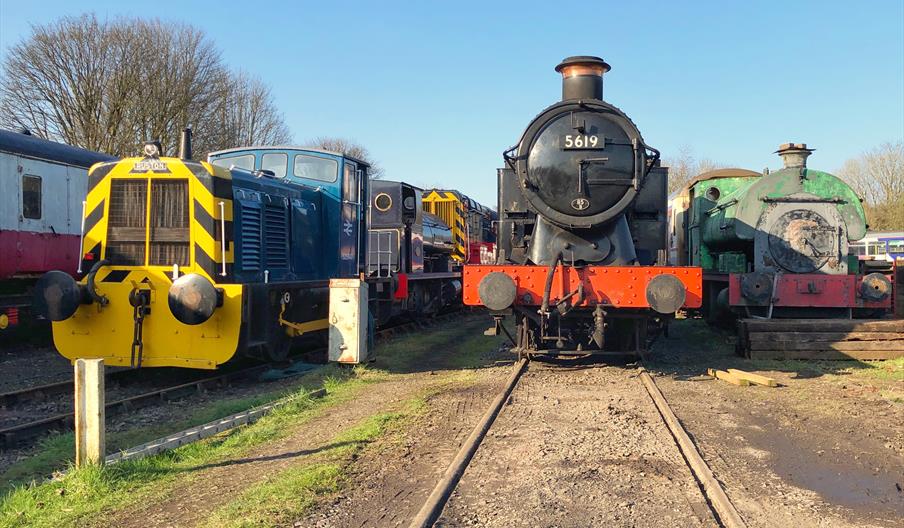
827, 336
859, 355
824, 325
727, 376
897, 346
754, 378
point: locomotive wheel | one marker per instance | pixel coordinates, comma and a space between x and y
278, 348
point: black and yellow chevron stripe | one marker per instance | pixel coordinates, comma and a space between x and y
449, 206
208, 186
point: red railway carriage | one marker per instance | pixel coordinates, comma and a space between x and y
581, 241
42, 184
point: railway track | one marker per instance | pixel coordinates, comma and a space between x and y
713, 493
19, 434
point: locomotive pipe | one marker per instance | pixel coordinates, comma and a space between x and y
185, 144
582, 77
599, 327
547, 288
92, 291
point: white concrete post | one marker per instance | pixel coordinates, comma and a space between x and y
89, 412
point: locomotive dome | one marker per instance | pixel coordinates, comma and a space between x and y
581, 161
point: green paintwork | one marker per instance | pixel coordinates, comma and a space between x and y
732, 262
727, 226
705, 239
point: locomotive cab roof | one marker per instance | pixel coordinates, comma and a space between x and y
292, 147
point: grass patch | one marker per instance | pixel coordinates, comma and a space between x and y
288, 495
86, 497
81, 495
56, 452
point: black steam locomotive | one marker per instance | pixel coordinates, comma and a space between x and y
582, 232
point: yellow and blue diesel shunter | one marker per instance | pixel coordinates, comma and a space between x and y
190, 264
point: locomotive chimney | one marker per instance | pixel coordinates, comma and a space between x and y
185, 144
794, 155
582, 77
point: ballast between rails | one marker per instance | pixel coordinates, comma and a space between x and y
716, 497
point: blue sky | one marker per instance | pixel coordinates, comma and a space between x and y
437, 90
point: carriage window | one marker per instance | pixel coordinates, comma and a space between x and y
242, 162
31, 196
315, 168
276, 162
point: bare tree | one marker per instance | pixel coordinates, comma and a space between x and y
349, 148
684, 167
111, 85
878, 177
248, 116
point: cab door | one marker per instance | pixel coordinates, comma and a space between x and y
349, 234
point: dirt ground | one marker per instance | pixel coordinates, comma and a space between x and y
826, 448
585, 447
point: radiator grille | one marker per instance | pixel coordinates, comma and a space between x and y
276, 236
169, 223
126, 222
251, 237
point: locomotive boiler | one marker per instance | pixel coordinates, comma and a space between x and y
581, 247
776, 244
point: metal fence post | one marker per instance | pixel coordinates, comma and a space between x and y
89, 412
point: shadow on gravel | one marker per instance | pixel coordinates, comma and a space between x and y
450, 346
281, 456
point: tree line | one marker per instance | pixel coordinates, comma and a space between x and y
877, 176
111, 85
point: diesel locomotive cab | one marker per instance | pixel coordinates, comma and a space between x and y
581, 238
192, 263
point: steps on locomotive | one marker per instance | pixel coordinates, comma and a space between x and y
835, 339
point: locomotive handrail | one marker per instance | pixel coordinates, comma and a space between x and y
81, 238
222, 237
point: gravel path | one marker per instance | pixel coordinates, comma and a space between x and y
578, 447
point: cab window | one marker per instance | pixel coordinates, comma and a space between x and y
31, 196
315, 168
241, 162
276, 162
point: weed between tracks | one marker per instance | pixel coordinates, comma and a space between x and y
90, 496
